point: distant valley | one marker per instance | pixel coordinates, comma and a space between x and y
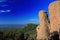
10, 26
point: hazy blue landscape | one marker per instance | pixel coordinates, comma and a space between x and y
9, 26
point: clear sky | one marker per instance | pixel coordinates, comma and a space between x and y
21, 11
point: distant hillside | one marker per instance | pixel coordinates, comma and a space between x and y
28, 32
10, 26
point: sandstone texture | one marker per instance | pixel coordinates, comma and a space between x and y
48, 26
54, 10
42, 29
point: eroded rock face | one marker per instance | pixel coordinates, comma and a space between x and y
54, 24
42, 29
54, 10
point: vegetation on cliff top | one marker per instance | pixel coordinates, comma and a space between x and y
26, 33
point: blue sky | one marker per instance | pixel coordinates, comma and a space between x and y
22, 11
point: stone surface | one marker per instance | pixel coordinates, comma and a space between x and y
45, 27
54, 10
42, 29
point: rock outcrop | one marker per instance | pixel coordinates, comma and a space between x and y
46, 27
42, 29
54, 10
